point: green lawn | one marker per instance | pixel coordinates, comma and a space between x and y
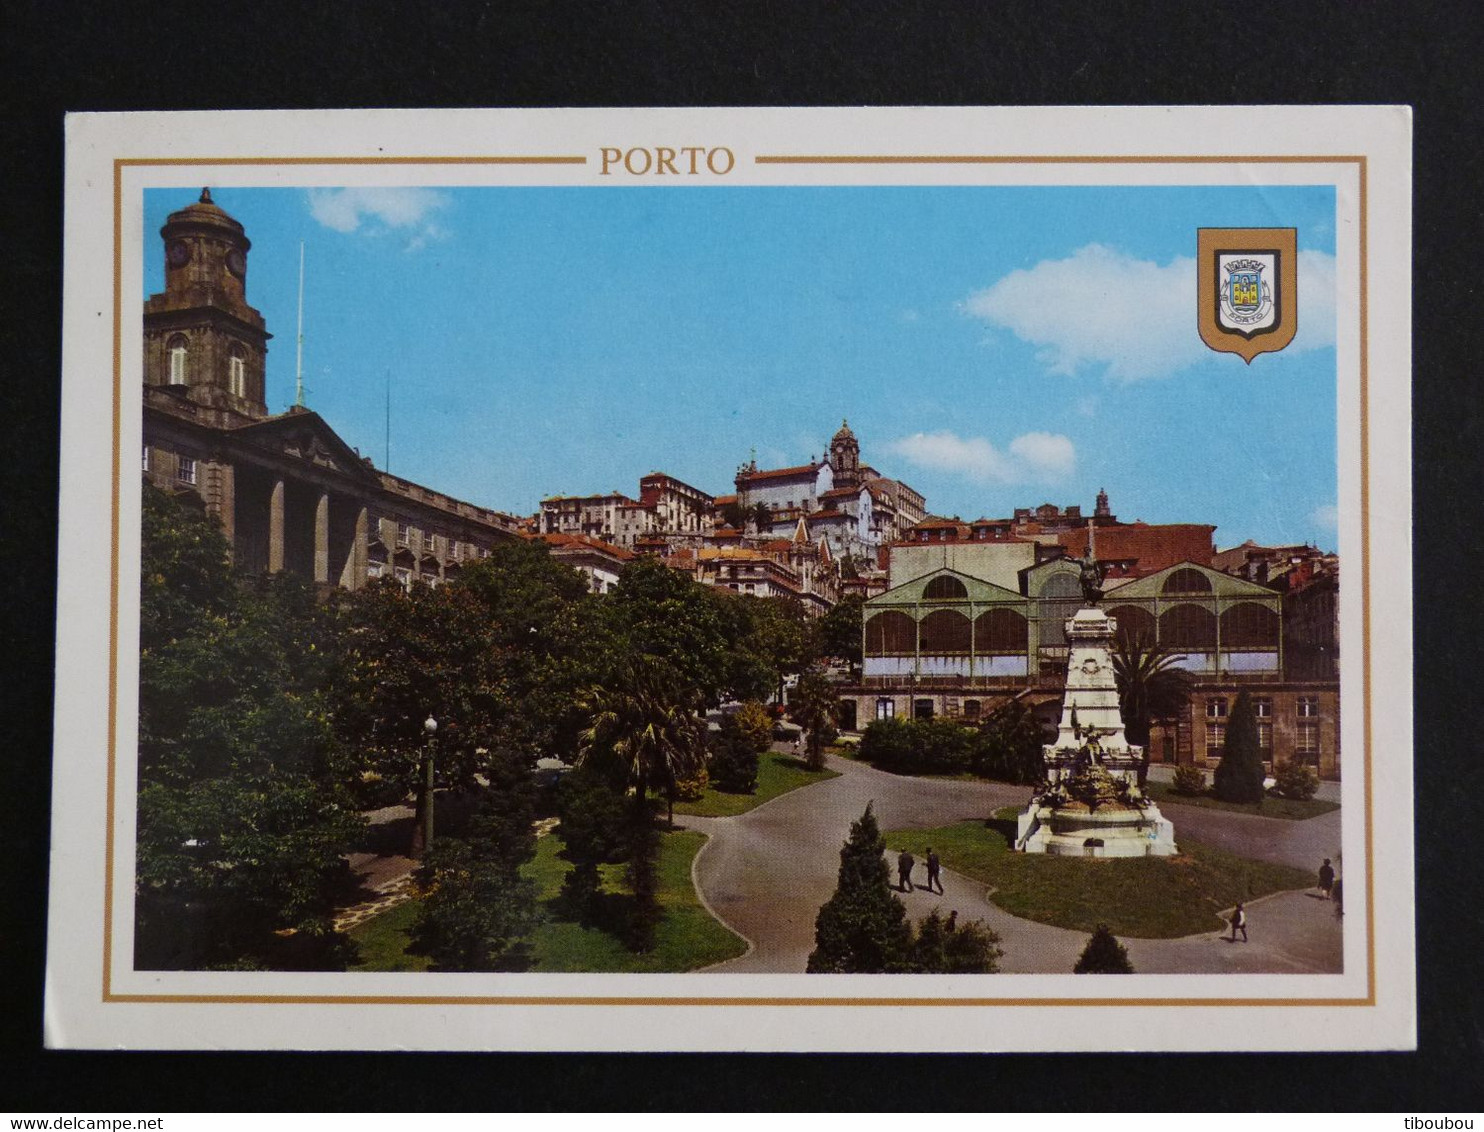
1141, 897
1290, 809
688, 936
383, 941
777, 773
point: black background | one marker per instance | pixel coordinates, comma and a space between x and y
167, 56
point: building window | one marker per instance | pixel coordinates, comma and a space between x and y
404, 534
374, 569
177, 361
972, 709
185, 469
1308, 707
1216, 707
1263, 708
146, 457
1215, 739
886, 708
237, 375
1306, 741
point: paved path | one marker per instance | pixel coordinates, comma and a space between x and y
766, 873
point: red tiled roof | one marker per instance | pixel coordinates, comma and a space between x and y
1152, 547
779, 473
826, 514
723, 500
556, 540
839, 491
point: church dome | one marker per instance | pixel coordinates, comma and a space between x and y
844, 433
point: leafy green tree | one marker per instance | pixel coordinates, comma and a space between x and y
1103, 955
733, 515
940, 948
477, 910
863, 928
550, 638
756, 724
813, 706
838, 632
1239, 774
779, 637
243, 818
1010, 746
415, 654
734, 758
594, 829
762, 516
1151, 687
693, 629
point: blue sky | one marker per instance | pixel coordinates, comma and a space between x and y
994, 347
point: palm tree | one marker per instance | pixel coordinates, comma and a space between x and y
1151, 686
649, 720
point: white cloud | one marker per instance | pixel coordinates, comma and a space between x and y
1326, 515
377, 211
1030, 458
1135, 317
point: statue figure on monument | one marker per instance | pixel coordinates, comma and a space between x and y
1091, 578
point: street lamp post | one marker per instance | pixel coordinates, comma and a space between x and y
422, 822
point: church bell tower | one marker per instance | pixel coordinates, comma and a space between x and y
845, 457
202, 341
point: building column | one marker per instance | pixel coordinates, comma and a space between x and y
275, 529
360, 558
322, 538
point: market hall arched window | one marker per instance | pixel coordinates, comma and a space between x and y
1249, 625
945, 587
1135, 624
1186, 581
891, 633
1188, 627
945, 631
1001, 631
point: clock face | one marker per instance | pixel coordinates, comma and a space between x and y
178, 253
235, 263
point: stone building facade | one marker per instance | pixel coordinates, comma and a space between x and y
290, 495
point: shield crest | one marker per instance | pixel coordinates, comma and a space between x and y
1247, 289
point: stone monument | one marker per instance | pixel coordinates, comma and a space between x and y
1090, 804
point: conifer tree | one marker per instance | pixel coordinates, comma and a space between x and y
863, 928
1239, 775
1103, 955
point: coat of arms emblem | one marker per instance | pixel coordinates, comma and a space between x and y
1247, 289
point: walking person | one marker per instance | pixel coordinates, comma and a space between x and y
1239, 923
904, 871
1327, 879
934, 866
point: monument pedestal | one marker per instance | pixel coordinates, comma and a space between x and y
1090, 804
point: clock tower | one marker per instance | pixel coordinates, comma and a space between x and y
202, 341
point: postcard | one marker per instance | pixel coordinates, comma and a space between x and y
798, 580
